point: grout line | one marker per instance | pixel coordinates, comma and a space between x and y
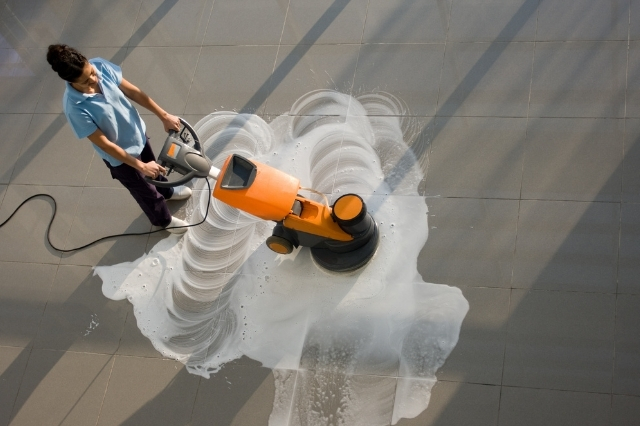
195, 67
275, 60
15, 399
195, 399
104, 396
442, 65
293, 396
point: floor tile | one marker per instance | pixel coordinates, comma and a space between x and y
33, 23
631, 162
625, 410
24, 238
78, 317
567, 246
560, 340
626, 378
100, 23
598, 20
13, 362
231, 78
25, 290
133, 343
479, 355
493, 20
99, 174
302, 69
236, 395
246, 22
62, 388
633, 83
529, 407
628, 268
476, 157
459, 404
164, 73
564, 86
634, 24
573, 159
171, 23
401, 21
14, 128
409, 71
486, 79
324, 21
471, 242
102, 212
50, 99
22, 72
145, 391
46, 152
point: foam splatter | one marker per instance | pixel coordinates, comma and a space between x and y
352, 349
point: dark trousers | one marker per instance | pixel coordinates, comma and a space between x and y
150, 197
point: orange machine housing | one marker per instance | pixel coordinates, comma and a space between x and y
271, 194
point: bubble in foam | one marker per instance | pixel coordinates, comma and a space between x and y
345, 336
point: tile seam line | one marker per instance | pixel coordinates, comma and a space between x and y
550, 290
106, 389
351, 89
195, 399
293, 392
350, 43
515, 244
617, 272
511, 199
195, 67
560, 390
24, 142
263, 107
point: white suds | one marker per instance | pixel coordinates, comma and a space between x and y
365, 346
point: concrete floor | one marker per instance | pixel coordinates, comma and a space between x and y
530, 114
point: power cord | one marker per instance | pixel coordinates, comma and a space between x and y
53, 216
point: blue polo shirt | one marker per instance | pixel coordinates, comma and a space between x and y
110, 111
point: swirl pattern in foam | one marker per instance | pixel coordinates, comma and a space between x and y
364, 346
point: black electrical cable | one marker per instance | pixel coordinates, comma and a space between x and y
53, 216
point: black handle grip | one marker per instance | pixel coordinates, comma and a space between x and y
187, 177
165, 184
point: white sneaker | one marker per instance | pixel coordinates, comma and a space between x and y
180, 193
176, 222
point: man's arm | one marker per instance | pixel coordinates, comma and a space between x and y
170, 122
151, 169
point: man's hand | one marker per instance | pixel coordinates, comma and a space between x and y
153, 169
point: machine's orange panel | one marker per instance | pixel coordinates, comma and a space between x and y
316, 219
264, 191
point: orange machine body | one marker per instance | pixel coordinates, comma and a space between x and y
271, 194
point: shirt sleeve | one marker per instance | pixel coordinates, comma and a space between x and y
113, 71
80, 122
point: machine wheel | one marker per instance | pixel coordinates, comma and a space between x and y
279, 244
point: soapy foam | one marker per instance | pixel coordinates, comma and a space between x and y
219, 293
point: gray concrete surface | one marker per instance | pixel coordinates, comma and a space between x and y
531, 134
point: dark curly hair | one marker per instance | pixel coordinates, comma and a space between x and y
66, 61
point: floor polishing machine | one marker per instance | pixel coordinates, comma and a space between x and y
342, 237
